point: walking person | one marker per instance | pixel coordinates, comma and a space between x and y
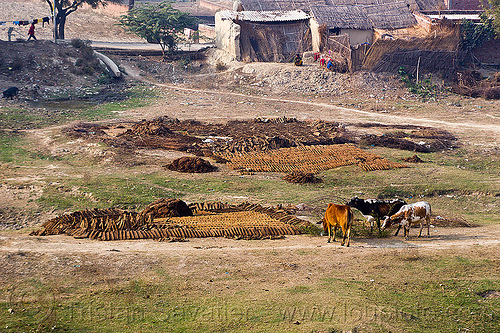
31, 32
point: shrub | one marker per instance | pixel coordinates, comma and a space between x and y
220, 66
492, 93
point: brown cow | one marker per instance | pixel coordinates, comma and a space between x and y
338, 216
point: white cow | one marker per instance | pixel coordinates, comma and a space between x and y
411, 214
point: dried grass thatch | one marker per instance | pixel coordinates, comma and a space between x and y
444, 39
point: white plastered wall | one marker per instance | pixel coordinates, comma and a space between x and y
227, 36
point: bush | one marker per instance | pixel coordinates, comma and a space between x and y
220, 66
424, 89
16, 64
492, 93
78, 43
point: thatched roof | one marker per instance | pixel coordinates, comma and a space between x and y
346, 17
388, 16
412, 4
284, 5
391, 16
264, 16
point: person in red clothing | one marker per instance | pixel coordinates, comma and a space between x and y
31, 32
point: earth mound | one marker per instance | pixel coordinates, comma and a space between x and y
302, 178
191, 165
164, 207
413, 159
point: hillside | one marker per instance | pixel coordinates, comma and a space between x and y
86, 23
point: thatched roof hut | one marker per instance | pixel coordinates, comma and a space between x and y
387, 16
391, 16
343, 17
283, 5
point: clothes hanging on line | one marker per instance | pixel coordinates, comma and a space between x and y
43, 20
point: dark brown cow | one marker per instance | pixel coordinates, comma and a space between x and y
338, 216
374, 209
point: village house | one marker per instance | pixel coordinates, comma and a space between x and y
262, 35
262, 30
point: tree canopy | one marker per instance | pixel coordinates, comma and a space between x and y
158, 23
66, 7
494, 12
473, 34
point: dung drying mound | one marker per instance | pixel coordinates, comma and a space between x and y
191, 165
165, 208
258, 135
155, 126
173, 219
309, 159
302, 178
413, 159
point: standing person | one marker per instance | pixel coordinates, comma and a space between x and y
31, 32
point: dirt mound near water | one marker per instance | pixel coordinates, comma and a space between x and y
191, 164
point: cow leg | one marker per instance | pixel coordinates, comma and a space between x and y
329, 233
348, 234
344, 234
334, 232
428, 220
397, 231
421, 228
407, 231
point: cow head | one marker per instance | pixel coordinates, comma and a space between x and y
387, 222
354, 202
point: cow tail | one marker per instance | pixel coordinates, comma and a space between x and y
350, 218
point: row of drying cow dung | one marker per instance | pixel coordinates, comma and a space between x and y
394, 212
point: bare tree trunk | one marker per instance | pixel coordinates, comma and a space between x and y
61, 22
131, 4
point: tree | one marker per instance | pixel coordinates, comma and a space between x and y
474, 34
131, 4
158, 23
66, 7
494, 12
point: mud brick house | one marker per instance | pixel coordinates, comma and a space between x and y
263, 35
275, 30
358, 21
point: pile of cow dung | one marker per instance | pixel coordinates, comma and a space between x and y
173, 219
191, 164
302, 178
413, 159
221, 141
261, 134
164, 208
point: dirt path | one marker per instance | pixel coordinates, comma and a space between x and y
440, 239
